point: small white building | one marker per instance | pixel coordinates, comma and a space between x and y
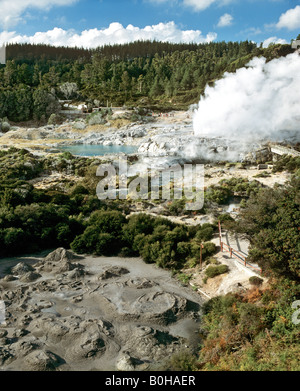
296, 44
3, 54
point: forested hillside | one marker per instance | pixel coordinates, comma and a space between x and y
143, 73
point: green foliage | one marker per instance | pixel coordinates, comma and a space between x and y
44, 104
252, 332
52, 119
176, 207
102, 235
218, 194
212, 261
205, 233
212, 271
4, 126
182, 361
272, 219
288, 163
254, 280
184, 278
240, 186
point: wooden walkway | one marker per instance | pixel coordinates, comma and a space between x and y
240, 255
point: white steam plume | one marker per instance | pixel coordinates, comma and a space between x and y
258, 102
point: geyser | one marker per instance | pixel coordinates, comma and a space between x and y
258, 102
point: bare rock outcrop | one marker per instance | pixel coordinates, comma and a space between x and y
21, 268
114, 271
40, 360
30, 276
58, 255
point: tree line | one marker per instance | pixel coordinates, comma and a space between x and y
143, 73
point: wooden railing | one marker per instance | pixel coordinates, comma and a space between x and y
234, 253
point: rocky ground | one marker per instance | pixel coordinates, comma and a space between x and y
69, 313
169, 135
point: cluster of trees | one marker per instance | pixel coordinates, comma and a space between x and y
140, 73
272, 220
156, 240
227, 188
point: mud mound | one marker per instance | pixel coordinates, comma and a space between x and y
112, 272
159, 307
140, 283
40, 360
60, 261
30, 276
59, 255
21, 268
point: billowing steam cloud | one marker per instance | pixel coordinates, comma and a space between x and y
258, 102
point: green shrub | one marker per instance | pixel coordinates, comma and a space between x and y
105, 244
254, 280
218, 194
212, 271
205, 233
212, 261
4, 127
225, 217
182, 361
52, 119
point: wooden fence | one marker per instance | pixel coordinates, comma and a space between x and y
234, 253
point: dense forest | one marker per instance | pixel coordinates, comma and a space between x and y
143, 73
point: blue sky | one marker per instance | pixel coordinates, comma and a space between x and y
91, 23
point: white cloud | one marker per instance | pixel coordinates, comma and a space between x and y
273, 40
114, 34
11, 11
251, 31
200, 5
290, 19
225, 20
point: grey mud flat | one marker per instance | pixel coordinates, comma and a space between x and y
65, 312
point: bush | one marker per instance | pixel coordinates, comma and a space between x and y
96, 119
182, 361
4, 127
225, 217
213, 271
105, 244
217, 194
212, 261
102, 235
254, 280
52, 119
205, 233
